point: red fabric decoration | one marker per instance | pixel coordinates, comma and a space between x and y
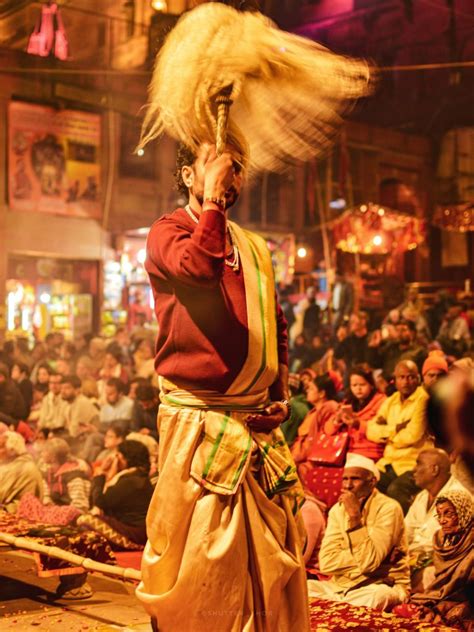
49, 36
329, 449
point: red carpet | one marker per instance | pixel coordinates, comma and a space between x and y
129, 559
329, 615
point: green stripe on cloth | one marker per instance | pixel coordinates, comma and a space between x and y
263, 362
268, 446
219, 437
176, 402
243, 460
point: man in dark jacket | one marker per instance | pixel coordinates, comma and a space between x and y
12, 404
145, 411
355, 348
387, 355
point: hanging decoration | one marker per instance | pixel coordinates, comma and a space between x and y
457, 217
49, 36
372, 229
455, 181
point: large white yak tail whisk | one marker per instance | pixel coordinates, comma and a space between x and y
288, 93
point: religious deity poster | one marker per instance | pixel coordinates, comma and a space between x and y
53, 160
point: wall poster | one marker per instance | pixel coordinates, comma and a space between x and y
53, 160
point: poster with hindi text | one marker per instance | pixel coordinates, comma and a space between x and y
53, 160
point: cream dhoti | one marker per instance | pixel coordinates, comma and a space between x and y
220, 561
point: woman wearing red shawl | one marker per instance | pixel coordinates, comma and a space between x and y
321, 394
362, 404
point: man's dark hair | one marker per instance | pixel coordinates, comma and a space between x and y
9, 347
136, 454
23, 368
120, 427
5, 371
116, 383
361, 315
409, 323
139, 381
184, 158
325, 383
41, 388
145, 393
114, 349
73, 380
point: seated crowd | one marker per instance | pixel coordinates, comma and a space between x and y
389, 505
78, 434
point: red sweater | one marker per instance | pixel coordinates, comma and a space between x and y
200, 303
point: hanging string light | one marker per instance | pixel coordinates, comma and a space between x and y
458, 217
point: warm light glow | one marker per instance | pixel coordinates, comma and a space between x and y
140, 152
125, 264
159, 5
19, 294
141, 256
302, 252
25, 319
381, 212
45, 297
377, 240
11, 303
338, 204
363, 208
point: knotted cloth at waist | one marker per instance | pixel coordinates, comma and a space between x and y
227, 448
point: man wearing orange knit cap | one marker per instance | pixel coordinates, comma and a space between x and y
434, 368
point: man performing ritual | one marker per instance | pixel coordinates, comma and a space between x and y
225, 538
221, 525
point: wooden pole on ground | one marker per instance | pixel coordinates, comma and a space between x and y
77, 560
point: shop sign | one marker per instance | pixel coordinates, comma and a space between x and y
54, 160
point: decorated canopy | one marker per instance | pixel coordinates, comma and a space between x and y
374, 229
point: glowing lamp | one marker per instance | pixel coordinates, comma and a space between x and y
141, 256
302, 252
377, 240
159, 5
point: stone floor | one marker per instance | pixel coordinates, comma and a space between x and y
28, 602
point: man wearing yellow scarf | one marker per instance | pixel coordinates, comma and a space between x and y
224, 532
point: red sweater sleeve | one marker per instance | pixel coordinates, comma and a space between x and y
195, 259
